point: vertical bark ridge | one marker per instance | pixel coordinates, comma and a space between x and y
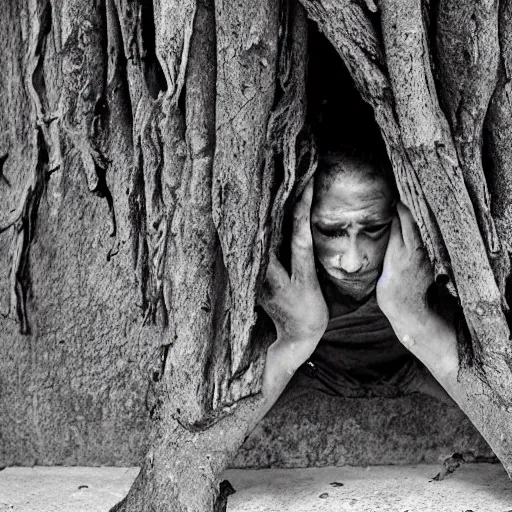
289, 153
158, 140
24, 231
84, 102
142, 179
119, 146
174, 20
428, 143
83, 94
467, 55
247, 43
288, 117
193, 242
42, 24
45, 158
499, 139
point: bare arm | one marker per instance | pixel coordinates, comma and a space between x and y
296, 305
401, 294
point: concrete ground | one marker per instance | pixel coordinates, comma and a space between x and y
472, 488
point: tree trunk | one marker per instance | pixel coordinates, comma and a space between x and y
188, 119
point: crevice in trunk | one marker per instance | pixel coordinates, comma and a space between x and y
140, 252
3, 178
153, 73
24, 233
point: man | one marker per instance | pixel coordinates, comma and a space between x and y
356, 293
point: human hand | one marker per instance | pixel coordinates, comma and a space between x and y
295, 302
402, 296
406, 274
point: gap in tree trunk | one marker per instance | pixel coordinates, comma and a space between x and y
337, 113
309, 427
153, 73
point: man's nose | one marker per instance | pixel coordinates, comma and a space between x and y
351, 259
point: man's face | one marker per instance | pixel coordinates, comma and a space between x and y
350, 219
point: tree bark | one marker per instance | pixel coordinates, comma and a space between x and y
187, 118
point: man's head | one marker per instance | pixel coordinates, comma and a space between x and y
353, 206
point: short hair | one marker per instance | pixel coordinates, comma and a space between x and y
375, 165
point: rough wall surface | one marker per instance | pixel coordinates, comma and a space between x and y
316, 430
78, 389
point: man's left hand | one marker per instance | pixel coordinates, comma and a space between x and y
406, 274
402, 297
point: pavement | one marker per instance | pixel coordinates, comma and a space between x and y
471, 488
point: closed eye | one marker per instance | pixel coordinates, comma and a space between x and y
334, 233
377, 228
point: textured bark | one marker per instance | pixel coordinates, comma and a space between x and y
499, 135
191, 265
228, 200
467, 55
187, 118
181, 470
429, 145
247, 51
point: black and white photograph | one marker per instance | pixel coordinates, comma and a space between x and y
255, 255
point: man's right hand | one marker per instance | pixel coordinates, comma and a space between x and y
296, 303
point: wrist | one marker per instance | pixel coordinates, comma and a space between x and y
417, 321
413, 328
433, 341
298, 337
297, 349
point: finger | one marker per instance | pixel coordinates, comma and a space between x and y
395, 233
303, 260
395, 246
276, 280
410, 231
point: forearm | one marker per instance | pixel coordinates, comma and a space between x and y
283, 359
434, 342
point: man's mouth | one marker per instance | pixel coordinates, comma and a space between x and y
355, 278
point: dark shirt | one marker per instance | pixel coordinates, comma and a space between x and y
359, 347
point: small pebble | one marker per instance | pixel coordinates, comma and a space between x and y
324, 495
336, 484
83, 487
